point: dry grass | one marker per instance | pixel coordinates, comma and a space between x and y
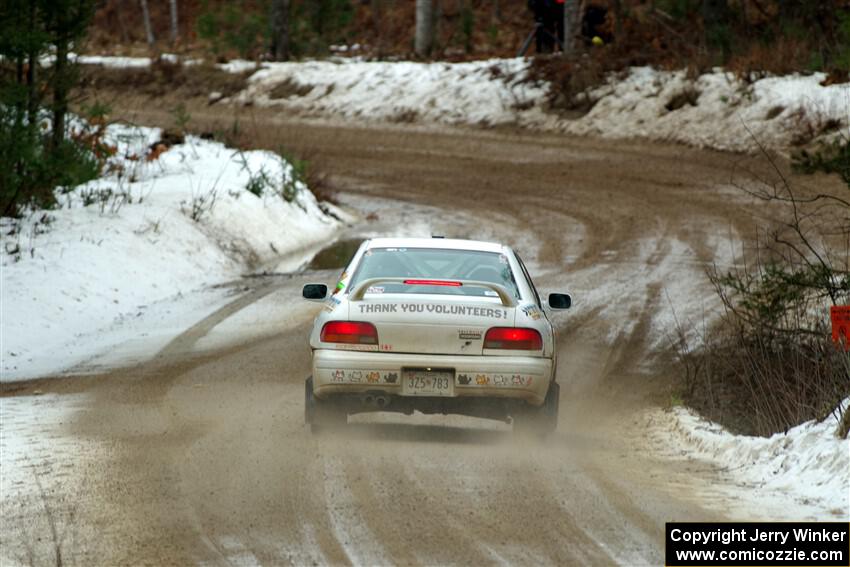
163, 79
757, 383
770, 363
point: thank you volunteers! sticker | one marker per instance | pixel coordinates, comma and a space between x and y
764, 544
439, 309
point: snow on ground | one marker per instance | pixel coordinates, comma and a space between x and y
479, 92
38, 458
803, 474
715, 110
139, 240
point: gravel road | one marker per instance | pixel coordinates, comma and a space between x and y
201, 456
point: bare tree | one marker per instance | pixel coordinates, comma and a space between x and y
280, 30
377, 17
172, 5
571, 21
146, 18
424, 27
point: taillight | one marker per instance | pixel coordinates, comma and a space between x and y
350, 332
513, 338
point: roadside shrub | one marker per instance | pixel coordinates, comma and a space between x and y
830, 157
291, 183
259, 182
35, 167
758, 383
163, 79
770, 363
201, 204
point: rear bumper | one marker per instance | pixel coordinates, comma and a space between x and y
505, 377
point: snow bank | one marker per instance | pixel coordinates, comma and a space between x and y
714, 111
121, 243
479, 92
802, 474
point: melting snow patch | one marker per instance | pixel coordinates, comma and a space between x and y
479, 92
803, 474
156, 227
715, 110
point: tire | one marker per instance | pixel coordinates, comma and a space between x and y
542, 421
321, 415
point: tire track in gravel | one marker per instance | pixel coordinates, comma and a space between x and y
208, 460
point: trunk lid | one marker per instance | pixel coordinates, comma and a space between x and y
432, 324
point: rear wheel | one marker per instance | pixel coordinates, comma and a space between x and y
321, 415
540, 421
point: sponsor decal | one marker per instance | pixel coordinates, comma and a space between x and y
532, 311
503, 259
500, 380
361, 376
469, 334
491, 312
518, 380
346, 346
503, 380
332, 303
386, 347
375, 289
340, 285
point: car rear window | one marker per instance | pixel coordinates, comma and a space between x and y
435, 264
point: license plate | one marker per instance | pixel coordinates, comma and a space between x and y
427, 382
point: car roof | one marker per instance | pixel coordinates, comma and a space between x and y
445, 243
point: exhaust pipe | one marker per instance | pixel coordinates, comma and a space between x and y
382, 401
369, 400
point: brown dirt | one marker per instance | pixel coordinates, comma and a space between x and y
161, 81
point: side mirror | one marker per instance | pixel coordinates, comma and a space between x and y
560, 301
315, 291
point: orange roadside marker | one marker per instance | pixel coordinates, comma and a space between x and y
840, 315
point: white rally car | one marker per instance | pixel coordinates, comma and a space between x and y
434, 325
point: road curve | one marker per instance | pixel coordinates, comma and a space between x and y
201, 457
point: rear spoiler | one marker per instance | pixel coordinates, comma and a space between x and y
508, 300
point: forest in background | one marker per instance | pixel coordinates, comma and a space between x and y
764, 35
